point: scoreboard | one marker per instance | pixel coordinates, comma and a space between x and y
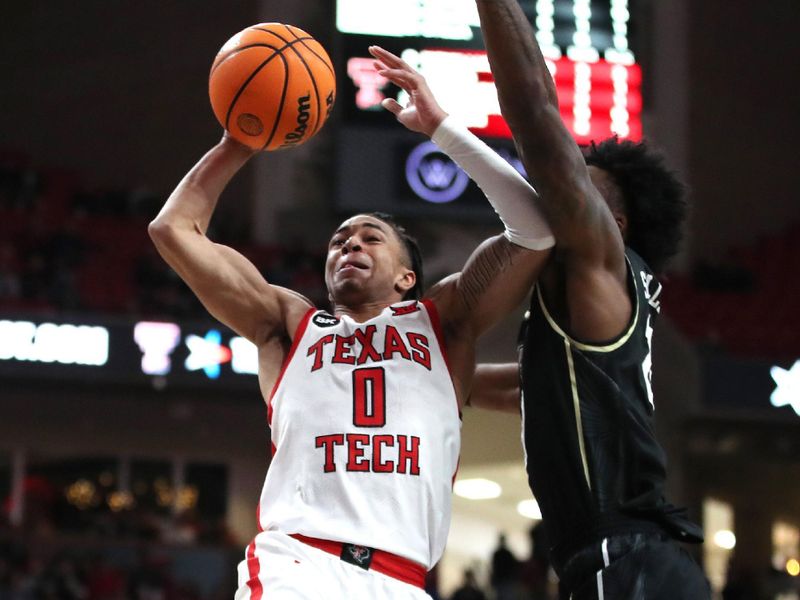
586, 44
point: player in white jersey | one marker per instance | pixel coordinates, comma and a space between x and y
363, 402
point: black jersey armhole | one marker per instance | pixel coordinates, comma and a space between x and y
605, 346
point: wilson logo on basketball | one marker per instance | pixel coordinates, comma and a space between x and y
303, 115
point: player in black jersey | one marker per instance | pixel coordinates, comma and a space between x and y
592, 458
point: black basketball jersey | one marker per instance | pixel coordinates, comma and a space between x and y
593, 462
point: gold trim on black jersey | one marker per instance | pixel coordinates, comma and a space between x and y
590, 347
576, 403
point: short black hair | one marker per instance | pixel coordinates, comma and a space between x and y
654, 197
412, 249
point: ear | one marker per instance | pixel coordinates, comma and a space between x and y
405, 281
622, 223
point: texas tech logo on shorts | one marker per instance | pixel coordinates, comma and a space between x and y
324, 320
361, 556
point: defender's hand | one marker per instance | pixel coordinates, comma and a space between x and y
423, 114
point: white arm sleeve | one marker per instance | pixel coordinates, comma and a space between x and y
512, 198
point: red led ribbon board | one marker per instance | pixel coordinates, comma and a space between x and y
613, 95
596, 100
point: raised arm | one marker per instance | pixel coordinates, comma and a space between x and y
591, 282
227, 284
496, 387
501, 271
574, 208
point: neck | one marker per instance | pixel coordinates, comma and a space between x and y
362, 312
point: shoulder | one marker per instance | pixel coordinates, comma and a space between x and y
295, 310
443, 300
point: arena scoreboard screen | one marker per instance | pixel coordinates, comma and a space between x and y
157, 354
207, 357
586, 44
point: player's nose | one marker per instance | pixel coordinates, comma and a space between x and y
352, 244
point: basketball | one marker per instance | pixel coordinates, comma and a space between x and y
272, 86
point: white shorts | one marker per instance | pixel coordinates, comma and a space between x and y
280, 567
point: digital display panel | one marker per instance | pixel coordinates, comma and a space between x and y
597, 100
571, 26
586, 44
439, 19
152, 353
754, 385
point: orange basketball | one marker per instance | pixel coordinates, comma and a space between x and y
272, 86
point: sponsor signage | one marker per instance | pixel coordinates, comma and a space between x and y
787, 387
150, 353
409, 176
737, 383
169, 350
433, 177
53, 343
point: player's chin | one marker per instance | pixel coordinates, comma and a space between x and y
344, 278
350, 274
348, 288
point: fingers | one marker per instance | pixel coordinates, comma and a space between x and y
392, 105
408, 81
396, 69
390, 60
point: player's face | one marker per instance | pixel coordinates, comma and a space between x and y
365, 262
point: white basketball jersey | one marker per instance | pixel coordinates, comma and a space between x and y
366, 434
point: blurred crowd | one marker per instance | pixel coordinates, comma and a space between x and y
508, 577
66, 249
63, 248
90, 574
70, 536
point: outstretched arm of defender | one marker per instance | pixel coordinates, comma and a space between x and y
227, 284
573, 206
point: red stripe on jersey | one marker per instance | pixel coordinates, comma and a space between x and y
253, 569
455, 473
298, 335
437, 328
258, 517
433, 314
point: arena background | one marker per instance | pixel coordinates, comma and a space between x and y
116, 482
